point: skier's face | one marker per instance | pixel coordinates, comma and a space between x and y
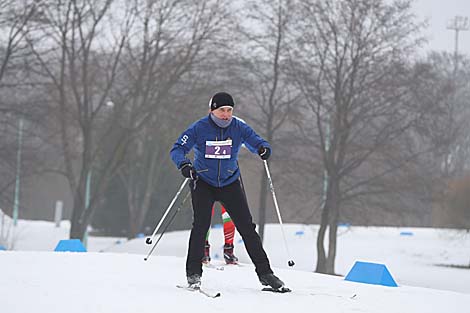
223, 113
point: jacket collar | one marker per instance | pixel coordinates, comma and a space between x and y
217, 126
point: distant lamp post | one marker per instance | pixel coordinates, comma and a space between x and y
16, 202
87, 204
458, 24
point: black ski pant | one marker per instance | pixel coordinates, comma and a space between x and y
234, 200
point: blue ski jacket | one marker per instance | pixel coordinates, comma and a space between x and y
218, 172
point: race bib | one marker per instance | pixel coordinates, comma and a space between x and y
219, 149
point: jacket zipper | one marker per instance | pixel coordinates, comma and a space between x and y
218, 174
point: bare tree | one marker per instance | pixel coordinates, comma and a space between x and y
81, 44
14, 18
172, 38
19, 119
264, 29
449, 129
349, 63
445, 128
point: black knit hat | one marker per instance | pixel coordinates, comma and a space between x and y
221, 99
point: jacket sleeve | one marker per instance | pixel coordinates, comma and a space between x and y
250, 148
183, 146
251, 139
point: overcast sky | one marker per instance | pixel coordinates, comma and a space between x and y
439, 13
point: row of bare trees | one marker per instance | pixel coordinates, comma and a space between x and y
109, 68
361, 125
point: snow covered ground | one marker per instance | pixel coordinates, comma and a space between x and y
113, 276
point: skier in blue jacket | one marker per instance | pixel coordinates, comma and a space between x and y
215, 176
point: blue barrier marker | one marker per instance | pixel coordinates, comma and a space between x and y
371, 273
70, 245
406, 233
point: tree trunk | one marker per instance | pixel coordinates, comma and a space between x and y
134, 226
321, 254
77, 228
137, 213
333, 225
330, 260
329, 220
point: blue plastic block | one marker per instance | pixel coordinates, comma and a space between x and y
2, 248
371, 273
406, 233
299, 233
70, 245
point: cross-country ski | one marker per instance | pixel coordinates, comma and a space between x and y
277, 290
200, 290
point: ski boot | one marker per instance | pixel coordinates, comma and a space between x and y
194, 281
229, 257
274, 283
206, 259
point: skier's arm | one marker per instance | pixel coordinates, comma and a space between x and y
183, 146
252, 140
244, 143
250, 148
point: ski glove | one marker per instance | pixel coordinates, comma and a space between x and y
188, 171
264, 153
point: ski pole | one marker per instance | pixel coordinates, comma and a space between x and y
161, 235
166, 227
149, 239
290, 262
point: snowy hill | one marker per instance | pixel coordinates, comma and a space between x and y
35, 279
106, 282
